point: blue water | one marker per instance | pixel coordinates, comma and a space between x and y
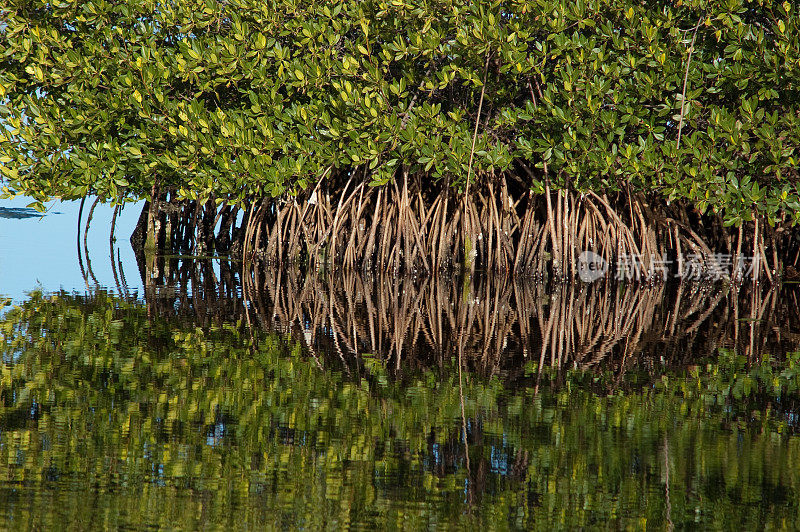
39, 251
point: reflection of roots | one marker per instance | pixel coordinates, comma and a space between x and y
494, 322
497, 323
201, 291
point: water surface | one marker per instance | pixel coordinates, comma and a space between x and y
41, 249
201, 395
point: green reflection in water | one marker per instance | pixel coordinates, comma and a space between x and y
108, 419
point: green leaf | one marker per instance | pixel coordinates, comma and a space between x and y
37, 205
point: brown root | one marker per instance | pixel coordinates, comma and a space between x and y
415, 227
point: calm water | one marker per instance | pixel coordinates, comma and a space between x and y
183, 395
40, 250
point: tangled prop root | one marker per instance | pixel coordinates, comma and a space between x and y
418, 228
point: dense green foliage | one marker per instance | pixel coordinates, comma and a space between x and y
240, 99
108, 419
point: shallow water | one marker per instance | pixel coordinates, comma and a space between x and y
40, 250
187, 398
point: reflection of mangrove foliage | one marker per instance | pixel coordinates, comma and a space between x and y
146, 424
